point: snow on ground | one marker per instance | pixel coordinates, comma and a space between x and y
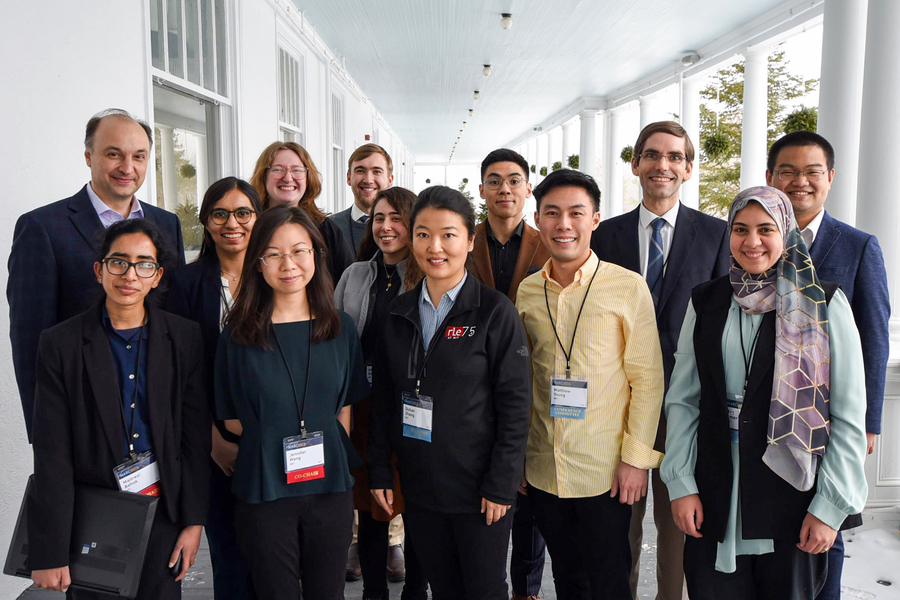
872, 558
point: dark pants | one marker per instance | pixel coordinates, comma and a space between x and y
373, 537
526, 564
786, 574
832, 589
588, 542
231, 576
463, 557
277, 537
157, 583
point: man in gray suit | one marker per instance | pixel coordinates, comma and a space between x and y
369, 171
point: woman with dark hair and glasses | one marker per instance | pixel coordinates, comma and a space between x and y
203, 291
288, 367
121, 388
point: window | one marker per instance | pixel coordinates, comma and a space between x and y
188, 41
290, 109
337, 145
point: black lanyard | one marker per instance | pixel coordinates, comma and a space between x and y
129, 431
568, 354
747, 360
301, 408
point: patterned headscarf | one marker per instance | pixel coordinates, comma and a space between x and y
799, 421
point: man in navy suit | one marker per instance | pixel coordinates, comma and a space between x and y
801, 164
54, 247
675, 248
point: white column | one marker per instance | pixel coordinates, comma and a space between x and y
543, 155
650, 111
755, 126
690, 120
613, 201
587, 145
555, 147
569, 140
169, 177
840, 98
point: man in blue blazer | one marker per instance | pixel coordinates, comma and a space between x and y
55, 246
801, 164
675, 248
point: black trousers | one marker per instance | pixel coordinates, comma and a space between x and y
231, 575
588, 542
786, 574
463, 557
157, 583
373, 538
526, 562
290, 539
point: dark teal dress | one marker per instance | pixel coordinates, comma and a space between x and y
253, 384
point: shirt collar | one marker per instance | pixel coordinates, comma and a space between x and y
136, 211
813, 226
450, 294
517, 232
107, 324
355, 213
648, 217
582, 275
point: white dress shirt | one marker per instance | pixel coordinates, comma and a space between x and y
812, 229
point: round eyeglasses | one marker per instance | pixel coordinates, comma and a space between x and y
495, 183
273, 259
117, 266
296, 172
220, 216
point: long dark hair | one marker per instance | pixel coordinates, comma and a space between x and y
215, 193
401, 200
164, 255
251, 316
442, 197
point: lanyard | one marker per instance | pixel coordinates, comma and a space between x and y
568, 354
301, 408
129, 431
747, 360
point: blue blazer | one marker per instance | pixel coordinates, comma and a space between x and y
51, 277
699, 252
853, 258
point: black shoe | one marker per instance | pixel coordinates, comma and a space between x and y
354, 572
396, 564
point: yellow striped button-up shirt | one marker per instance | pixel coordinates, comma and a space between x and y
617, 351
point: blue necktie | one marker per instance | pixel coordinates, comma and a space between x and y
655, 260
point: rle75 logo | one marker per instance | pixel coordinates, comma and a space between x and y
454, 333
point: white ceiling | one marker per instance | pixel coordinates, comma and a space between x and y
420, 60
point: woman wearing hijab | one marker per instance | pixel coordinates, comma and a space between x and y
764, 449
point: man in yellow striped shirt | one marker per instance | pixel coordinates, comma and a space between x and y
598, 388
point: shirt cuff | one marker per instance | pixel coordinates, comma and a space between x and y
681, 487
640, 455
825, 511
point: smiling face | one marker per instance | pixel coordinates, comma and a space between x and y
128, 290
662, 179
566, 219
389, 232
505, 202
366, 178
285, 188
756, 242
807, 197
118, 159
285, 275
232, 237
441, 244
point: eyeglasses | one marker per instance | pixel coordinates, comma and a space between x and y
296, 172
273, 259
145, 268
495, 183
220, 216
791, 175
674, 158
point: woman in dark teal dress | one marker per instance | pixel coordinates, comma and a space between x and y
288, 367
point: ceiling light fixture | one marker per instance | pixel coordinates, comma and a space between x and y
476, 94
505, 20
471, 112
465, 124
486, 70
690, 59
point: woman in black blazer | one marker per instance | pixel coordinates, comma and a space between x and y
202, 291
116, 382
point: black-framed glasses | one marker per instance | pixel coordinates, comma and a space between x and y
220, 216
144, 268
296, 172
674, 158
495, 183
273, 259
792, 175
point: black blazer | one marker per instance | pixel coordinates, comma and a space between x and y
51, 277
78, 430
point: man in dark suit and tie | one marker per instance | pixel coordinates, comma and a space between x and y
801, 164
675, 248
54, 247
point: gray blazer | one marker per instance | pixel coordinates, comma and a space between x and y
353, 230
353, 293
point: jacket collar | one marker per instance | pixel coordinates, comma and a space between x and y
84, 217
828, 235
407, 304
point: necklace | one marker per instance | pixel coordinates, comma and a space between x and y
233, 277
389, 276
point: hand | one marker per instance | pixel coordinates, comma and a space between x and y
815, 536
687, 512
870, 442
630, 483
385, 499
223, 452
52, 579
187, 544
523, 486
493, 512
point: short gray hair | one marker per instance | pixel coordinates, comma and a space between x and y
94, 122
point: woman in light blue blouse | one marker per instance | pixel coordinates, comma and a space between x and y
764, 449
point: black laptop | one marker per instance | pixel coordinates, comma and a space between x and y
110, 531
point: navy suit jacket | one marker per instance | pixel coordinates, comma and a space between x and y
699, 252
853, 258
51, 277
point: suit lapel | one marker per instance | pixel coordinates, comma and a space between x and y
211, 295
826, 238
482, 256
682, 240
763, 355
101, 374
160, 355
716, 315
628, 242
84, 218
530, 241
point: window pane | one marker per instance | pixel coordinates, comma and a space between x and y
173, 26
221, 47
208, 39
192, 36
339, 182
156, 34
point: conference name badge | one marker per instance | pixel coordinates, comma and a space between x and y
417, 412
568, 398
735, 403
304, 457
139, 475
